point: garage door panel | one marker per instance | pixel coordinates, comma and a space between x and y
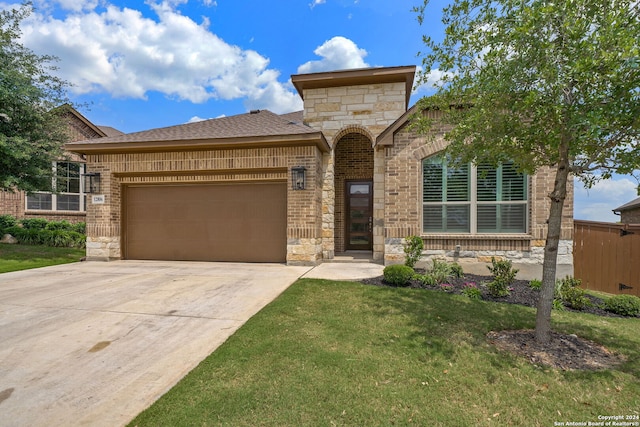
229, 222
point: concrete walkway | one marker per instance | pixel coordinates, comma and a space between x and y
94, 344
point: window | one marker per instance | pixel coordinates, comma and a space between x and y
68, 196
473, 199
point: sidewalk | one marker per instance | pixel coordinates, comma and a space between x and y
344, 271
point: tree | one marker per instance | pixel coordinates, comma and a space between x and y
32, 126
541, 83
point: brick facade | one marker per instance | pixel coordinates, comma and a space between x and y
209, 166
362, 117
403, 211
354, 161
14, 203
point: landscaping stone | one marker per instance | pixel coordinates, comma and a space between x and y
9, 239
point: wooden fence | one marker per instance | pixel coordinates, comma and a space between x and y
606, 256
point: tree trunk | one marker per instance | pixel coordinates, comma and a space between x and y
557, 196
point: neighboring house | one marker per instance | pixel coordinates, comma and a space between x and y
230, 189
68, 202
629, 212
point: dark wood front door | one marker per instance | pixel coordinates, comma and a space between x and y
359, 203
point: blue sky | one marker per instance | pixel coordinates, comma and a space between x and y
140, 65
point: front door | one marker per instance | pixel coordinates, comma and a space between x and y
359, 203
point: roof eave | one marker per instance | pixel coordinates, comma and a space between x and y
316, 138
385, 139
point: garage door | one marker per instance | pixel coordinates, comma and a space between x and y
217, 222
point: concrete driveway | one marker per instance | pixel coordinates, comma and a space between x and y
96, 343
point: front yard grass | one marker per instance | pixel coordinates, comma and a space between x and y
331, 353
24, 257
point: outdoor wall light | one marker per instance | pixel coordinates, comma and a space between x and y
298, 177
92, 182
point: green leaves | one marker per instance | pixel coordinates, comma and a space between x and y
32, 127
536, 72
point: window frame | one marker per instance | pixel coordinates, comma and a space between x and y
473, 203
54, 195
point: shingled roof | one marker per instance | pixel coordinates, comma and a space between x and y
634, 204
255, 126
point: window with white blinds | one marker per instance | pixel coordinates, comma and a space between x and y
473, 199
67, 194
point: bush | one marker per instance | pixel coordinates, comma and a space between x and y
34, 223
59, 225
413, 250
79, 227
7, 221
398, 275
575, 298
456, 270
470, 290
563, 285
54, 233
427, 279
624, 305
535, 284
569, 293
503, 276
440, 270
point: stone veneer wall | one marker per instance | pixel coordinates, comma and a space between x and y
632, 216
209, 166
337, 111
403, 212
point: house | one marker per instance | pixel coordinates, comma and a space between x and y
629, 212
345, 174
68, 202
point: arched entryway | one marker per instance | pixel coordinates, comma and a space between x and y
354, 191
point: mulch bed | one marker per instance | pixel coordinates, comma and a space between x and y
521, 294
564, 351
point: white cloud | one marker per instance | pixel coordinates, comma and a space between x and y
429, 82
123, 53
597, 203
339, 53
314, 3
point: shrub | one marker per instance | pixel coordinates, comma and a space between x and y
503, 275
575, 298
557, 304
398, 275
470, 290
456, 270
624, 305
34, 223
535, 284
59, 225
79, 227
563, 285
569, 293
7, 221
440, 270
413, 250
42, 232
427, 279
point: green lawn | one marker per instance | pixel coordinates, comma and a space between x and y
24, 257
344, 354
